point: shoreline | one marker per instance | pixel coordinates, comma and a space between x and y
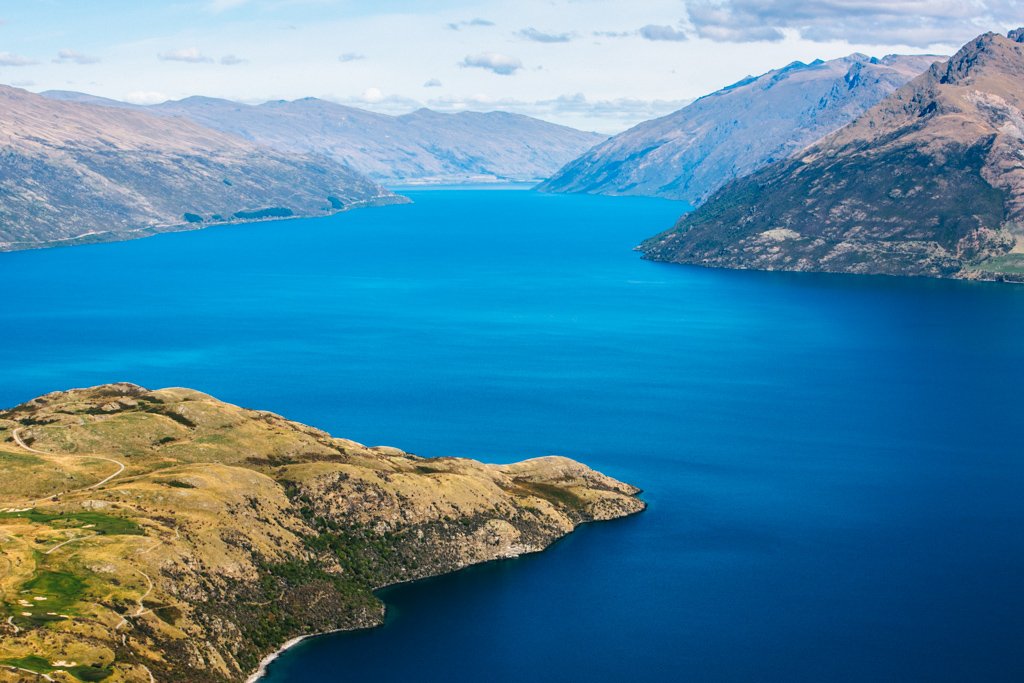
113, 236
261, 670
265, 663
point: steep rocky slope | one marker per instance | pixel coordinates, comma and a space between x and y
73, 172
423, 146
691, 153
929, 182
166, 533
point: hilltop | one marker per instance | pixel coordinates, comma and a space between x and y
929, 182
166, 535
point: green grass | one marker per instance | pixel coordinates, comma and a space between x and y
32, 663
42, 666
1007, 263
549, 492
8, 458
96, 521
177, 484
60, 588
89, 673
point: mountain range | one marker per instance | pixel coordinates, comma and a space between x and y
76, 168
689, 154
72, 172
423, 146
928, 182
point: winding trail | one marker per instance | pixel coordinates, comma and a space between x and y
70, 540
45, 677
149, 589
141, 610
120, 465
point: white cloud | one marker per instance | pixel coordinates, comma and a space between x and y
653, 32
145, 97
409, 48
917, 23
75, 57
232, 60
224, 5
373, 95
533, 34
376, 100
575, 109
459, 25
351, 57
11, 59
493, 61
192, 55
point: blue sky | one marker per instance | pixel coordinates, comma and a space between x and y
596, 64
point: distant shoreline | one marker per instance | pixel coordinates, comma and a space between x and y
109, 236
413, 186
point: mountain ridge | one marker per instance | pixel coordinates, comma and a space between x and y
74, 173
422, 146
928, 182
689, 154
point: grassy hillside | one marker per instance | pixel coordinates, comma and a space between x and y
168, 534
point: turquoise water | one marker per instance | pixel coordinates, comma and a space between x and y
833, 464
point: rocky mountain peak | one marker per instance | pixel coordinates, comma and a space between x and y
692, 152
988, 54
928, 182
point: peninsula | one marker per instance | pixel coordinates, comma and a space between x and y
166, 535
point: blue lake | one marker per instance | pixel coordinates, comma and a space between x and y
834, 464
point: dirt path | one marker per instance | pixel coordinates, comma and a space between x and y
149, 589
70, 540
141, 609
45, 677
120, 465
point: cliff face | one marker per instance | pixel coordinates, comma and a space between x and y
72, 172
168, 533
929, 182
731, 133
423, 146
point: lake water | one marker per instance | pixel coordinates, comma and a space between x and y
834, 464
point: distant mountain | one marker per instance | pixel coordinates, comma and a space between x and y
929, 182
72, 172
423, 146
691, 153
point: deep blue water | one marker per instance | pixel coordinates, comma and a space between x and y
834, 464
